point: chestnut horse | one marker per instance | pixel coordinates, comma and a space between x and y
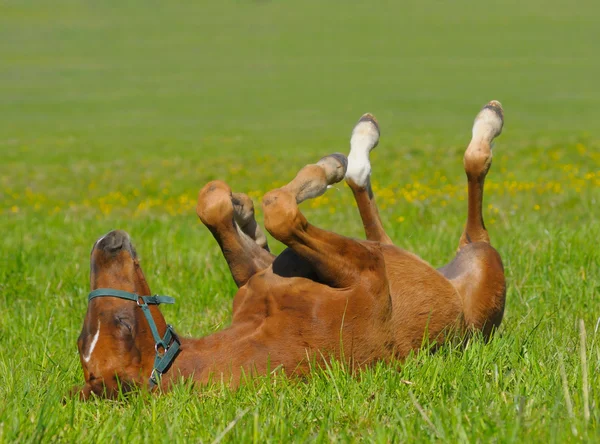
325, 297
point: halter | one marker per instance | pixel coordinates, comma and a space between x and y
169, 343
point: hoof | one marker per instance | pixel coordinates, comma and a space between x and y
365, 134
496, 106
368, 117
335, 166
243, 208
365, 137
489, 122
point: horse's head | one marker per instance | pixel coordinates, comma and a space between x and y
116, 344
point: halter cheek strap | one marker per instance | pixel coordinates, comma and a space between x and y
168, 346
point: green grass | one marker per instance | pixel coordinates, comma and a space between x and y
114, 114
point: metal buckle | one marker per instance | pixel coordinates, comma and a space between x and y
155, 376
160, 345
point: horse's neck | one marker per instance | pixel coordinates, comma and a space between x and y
215, 354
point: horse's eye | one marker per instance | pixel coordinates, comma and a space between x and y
122, 322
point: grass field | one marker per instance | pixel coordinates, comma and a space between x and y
114, 114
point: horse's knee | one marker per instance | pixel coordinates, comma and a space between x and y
281, 214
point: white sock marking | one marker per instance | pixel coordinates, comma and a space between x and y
88, 355
363, 140
487, 125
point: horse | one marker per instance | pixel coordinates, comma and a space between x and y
326, 296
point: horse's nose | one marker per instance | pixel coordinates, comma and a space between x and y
114, 241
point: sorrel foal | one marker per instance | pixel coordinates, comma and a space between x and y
326, 296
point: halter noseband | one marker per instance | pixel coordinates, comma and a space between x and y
169, 343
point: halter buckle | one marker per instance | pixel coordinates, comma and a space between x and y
160, 345
155, 377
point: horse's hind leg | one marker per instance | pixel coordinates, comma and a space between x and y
476, 271
230, 219
337, 261
477, 162
365, 137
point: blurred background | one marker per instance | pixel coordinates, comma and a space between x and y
82, 76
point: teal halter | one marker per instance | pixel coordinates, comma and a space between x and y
169, 343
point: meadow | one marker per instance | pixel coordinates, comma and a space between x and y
114, 115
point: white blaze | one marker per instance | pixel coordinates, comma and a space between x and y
88, 354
